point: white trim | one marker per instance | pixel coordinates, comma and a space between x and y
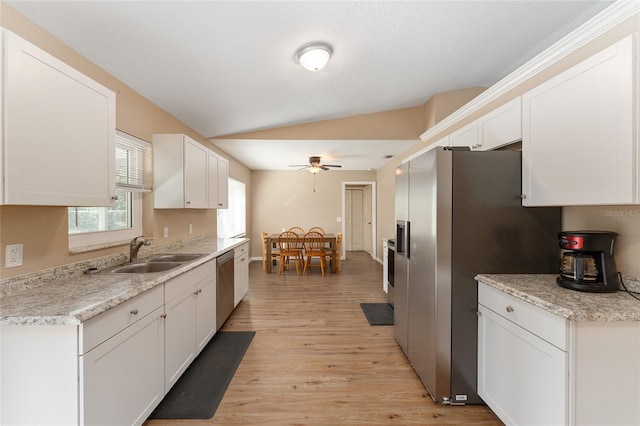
606, 20
88, 241
374, 203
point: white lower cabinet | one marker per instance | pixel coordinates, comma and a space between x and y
520, 375
537, 368
126, 371
241, 273
190, 321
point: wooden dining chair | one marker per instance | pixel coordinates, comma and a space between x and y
298, 231
275, 252
290, 245
317, 229
314, 247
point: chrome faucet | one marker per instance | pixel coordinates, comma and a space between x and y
135, 245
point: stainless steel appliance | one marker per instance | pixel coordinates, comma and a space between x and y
225, 275
587, 261
391, 254
459, 214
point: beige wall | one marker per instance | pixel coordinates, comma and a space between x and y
43, 230
400, 124
405, 123
282, 199
275, 198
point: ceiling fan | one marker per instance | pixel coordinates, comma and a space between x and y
315, 165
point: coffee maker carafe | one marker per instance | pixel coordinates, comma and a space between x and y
587, 262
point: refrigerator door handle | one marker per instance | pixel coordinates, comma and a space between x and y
407, 240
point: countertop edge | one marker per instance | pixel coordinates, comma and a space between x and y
139, 285
541, 290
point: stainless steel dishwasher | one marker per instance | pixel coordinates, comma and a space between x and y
224, 287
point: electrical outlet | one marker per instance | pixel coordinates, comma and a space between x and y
13, 255
166, 232
190, 228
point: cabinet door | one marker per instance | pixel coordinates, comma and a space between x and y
466, 136
179, 336
59, 131
205, 313
521, 377
195, 175
501, 126
122, 379
241, 277
578, 133
218, 182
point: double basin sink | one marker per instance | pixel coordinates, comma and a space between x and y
158, 263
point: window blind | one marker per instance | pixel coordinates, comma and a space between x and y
134, 170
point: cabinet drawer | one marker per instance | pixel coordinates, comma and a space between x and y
241, 250
111, 322
181, 283
545, 325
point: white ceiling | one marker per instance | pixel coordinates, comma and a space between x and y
225, 67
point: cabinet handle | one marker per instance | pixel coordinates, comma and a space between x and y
197, 292
188, 202
510, 308
478, 313
219, 204
134, 311
476, 146
523, 196
163, 316
114, 198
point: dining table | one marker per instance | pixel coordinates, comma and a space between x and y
329, 239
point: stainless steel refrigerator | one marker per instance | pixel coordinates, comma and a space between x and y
458, 214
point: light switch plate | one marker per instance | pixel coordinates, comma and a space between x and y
13, 255
166, 232
190, 228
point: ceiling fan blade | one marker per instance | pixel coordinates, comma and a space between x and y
331, 165
299, 165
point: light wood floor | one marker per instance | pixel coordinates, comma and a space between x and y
316, 361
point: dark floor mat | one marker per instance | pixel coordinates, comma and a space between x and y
198, 392
378, 313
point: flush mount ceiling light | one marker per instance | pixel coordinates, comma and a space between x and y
314, 56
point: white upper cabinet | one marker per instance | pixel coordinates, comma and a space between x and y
58, 131
578, 141
501, 126
186, 174
179, 172
466, 136
218, 181
497, 128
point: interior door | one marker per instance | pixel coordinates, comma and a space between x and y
354, 220
367, 220
347, 221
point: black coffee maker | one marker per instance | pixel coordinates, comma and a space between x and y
587, 262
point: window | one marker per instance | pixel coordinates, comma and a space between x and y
232, 220
96, 227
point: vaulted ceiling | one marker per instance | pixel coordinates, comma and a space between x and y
226, 67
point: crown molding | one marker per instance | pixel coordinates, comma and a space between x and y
606, 20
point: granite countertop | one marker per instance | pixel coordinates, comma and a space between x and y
71, 300
542, 290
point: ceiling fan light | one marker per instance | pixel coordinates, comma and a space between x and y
314, 169
314, 57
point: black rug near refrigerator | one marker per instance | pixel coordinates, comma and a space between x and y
378, 313
198, 392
